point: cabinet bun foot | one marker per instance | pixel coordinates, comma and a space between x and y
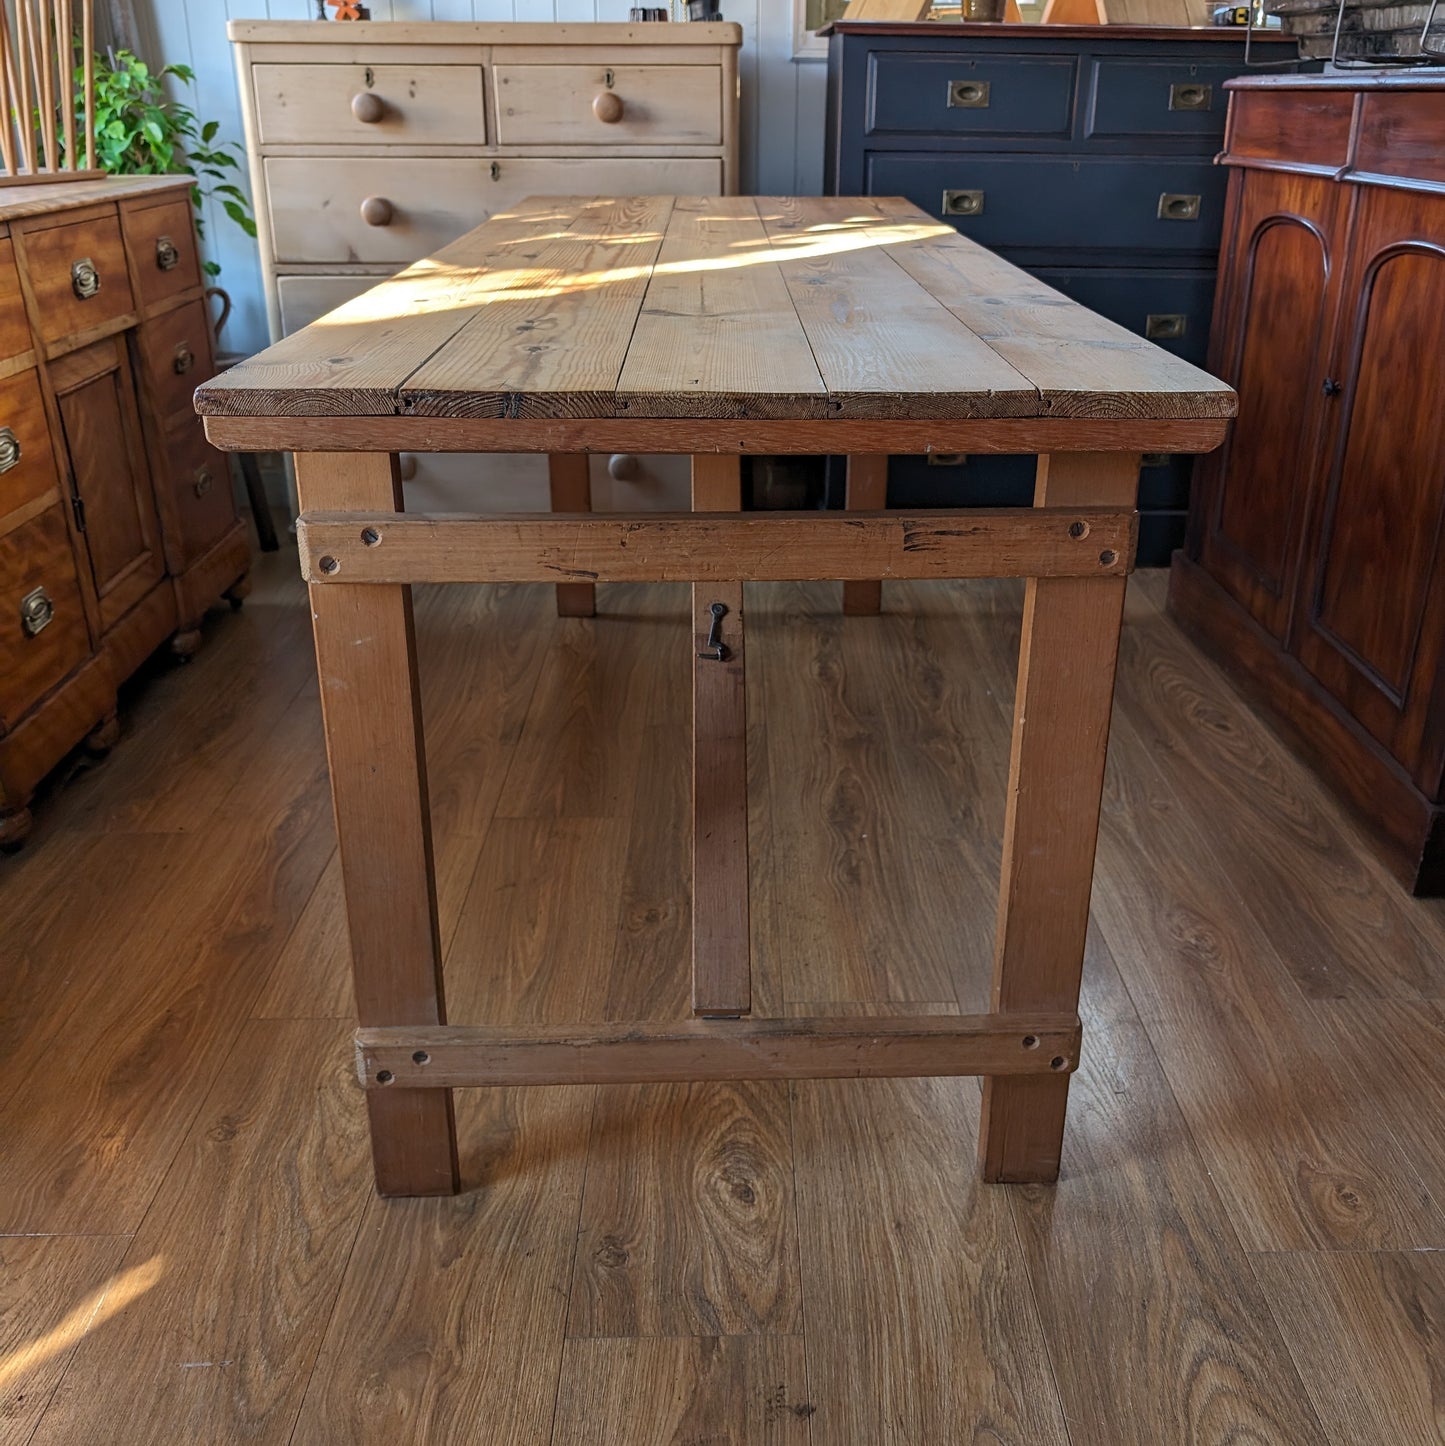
103, 737
238, 592
15, 826
186, 643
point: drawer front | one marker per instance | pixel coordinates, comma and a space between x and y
1013, 95
203, 505
1137, 97
1043, 203
369, 104
27, 463
42, 624
305, 298
175, 351
1304, 127
162, 245
1170, 308
609, 105
78, 276
316, 206
14, 327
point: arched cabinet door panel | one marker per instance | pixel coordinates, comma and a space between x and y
1371, 624
1271, 325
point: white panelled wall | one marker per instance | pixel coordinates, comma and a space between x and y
782, 99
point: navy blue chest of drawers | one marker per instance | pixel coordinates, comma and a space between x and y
1084, 154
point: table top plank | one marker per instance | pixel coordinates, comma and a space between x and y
884, 346
711, 311
353, 360
718, 335
1082, 364
553, 334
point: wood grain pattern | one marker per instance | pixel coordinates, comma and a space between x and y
866, 491
1383, 1314
57, 1289
717, 335
722, 981
1067, 653
366, 663
399, 1057
239, 431
449, 1324
799, 309
570, 490
1080, 542
928, 1313
171, 1358
656, 1392
687, 1224
1229, 1113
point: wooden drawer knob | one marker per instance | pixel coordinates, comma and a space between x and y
377, 211
607, 107
368, 107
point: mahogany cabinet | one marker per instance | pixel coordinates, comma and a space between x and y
118, 526
1314, 565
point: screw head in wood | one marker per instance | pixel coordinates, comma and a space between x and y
370, 536
328, 565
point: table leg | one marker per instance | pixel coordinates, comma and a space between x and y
1067, 654
721, 957
366, 661
865, 490
571, 488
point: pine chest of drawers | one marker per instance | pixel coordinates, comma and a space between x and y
118, 526
1084, 154
374, 143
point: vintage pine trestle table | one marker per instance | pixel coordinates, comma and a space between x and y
714, 327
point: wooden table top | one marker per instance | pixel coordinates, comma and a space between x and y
646, 307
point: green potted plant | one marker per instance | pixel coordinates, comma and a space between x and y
142, 131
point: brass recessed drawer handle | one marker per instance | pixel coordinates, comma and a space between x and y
36, 611
168, 254
1174, 206
9, 449
368, 107
963, 203
84, 278
1190, 95
1165, 325
203, 481
183, 360
377, 211
968, 94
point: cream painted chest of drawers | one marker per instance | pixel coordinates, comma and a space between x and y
374, 143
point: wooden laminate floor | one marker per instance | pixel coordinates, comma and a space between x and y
1246, 1244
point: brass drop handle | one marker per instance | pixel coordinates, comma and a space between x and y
1177, 207
969, 94
1166, 326
84, 278
1188, 96
962, 203
607, 107
9, 449
168, 254
377, 211
367, 107
36, 611
203, 481
183, 360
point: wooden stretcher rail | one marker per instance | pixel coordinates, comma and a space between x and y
702, 547
458, 1056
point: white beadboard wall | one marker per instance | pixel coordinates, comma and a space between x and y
782, 99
